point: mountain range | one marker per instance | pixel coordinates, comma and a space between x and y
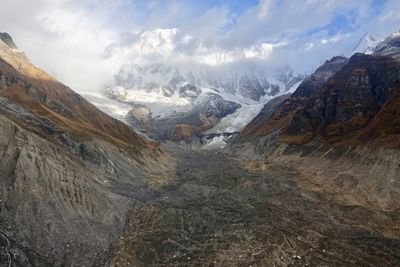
341, 126
308, 173
171, 95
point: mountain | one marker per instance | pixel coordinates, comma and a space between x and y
7, 40
341, 108
248, 80
390, 46
340, 100
175, 95
171, 91
367, 44
312, 180
62, 165
296, 101
340, 129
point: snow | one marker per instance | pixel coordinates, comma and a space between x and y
237, 120
154, 97
159, 104
162, 106
241, 117
162, 77
157, 86
367, 44
113, 108
215, 143
294, 87
395, 34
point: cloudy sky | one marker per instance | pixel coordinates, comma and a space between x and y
84, 42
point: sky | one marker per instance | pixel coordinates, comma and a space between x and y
83, 43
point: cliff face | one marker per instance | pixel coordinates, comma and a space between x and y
282, 115
345, 108
63, 163
342, 109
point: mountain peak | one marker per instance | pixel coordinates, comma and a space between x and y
395, 34
7, 39
367, 44
390, 46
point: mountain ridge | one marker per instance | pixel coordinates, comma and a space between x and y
62, 164
361, 81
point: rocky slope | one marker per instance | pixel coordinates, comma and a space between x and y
341, 133
219, 211
346, 101
390, 46
343, 108
61, 159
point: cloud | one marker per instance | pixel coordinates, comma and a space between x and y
84, 42
264, 8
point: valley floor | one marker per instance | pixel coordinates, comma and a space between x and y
217, 211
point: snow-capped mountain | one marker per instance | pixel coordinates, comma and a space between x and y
390, 46
7, 40
367, 44
247, 80
175, 92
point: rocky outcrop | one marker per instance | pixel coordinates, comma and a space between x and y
342, 107
140, 117
338, 105
189, 91
204, 115
264, 115
7, 40
389, 47
279, 116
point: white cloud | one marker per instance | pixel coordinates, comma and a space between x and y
264, 8
84, 42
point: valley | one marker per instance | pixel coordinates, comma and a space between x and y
222, 211
192, 146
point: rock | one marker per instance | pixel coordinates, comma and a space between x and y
189, 91
389, 47
140, 117
3, 83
